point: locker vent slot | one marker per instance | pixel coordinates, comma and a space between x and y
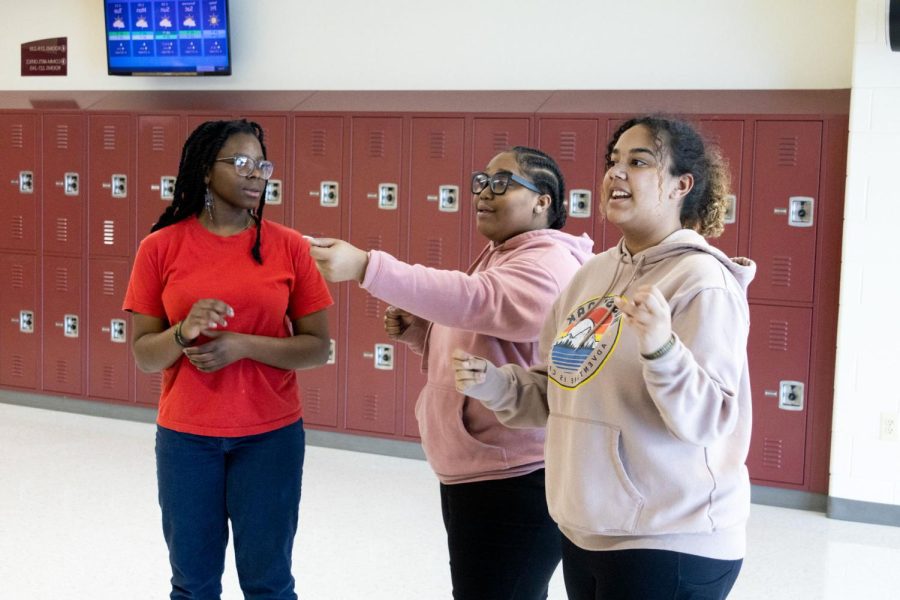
17, 136
772, 453
62, 371
781, 271
109, 233
312, 400
18, 227
156, 384
18, 366
158, 139
778, 336
317, 143
376, 144
567, 146
109, 137
434, 253
62, 137
788, 147
62, 229
373, 307
501, 141
18, 277
438, 145
109, 377
109, 283
62, 279
370, 407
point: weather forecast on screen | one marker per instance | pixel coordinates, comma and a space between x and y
180, 37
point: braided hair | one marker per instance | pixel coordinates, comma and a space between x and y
197, 157
546, 175
705, 206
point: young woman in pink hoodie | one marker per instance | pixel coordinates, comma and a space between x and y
645, 393
503, 544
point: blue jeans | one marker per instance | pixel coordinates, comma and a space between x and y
255, 482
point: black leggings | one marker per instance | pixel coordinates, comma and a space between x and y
645, 575
503, 543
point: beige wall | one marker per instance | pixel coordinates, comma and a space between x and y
476, 44
864, 466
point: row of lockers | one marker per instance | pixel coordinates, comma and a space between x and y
85, 188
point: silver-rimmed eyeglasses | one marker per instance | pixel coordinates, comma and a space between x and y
499, 182
245, 166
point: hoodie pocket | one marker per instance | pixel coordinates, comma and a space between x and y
587, 486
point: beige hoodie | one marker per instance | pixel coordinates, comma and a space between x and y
643, 453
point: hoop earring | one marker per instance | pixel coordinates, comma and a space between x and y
209, 202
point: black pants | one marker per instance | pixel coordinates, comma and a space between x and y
645, 575
503, 543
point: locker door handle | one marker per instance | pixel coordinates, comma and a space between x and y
580, 204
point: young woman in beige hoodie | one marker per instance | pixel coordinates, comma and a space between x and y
645, 392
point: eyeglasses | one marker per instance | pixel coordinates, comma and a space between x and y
499, 182
244, 165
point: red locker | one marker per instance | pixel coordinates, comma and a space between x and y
63, 179
611, 233
573, 144
728, 138
317, 206
111, 184
19, 176
148, 387
785, 195
374, 374
159, 142
275, 135
63, 325
109, 330
491, 136
20, 330
779, 348
438, 220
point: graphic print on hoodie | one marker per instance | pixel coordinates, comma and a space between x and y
588, 340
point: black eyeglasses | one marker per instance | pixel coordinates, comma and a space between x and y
499, 182
244, 165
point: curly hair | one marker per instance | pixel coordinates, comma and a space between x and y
197, 157
704, 208
540, 168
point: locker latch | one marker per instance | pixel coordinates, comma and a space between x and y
331, 352
384, 357
26, 182
790, 395
273, 191
118, 186
69, 325
387, 196
26, 321
799, 211
166, 188
448, 198
730, 209
70, 184
580, 204
116, 330
328, 193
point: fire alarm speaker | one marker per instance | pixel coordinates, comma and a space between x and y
893, 24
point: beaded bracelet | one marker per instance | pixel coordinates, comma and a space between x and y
661, 350
179, 339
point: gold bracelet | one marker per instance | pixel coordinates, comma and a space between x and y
179, 339
661, 350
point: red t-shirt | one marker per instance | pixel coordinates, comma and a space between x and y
183, 263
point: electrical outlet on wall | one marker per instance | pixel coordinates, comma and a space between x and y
890, 427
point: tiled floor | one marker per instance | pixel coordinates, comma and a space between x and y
79, 521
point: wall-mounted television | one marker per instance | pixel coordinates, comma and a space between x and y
169, 37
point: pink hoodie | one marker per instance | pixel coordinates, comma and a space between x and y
495, 310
